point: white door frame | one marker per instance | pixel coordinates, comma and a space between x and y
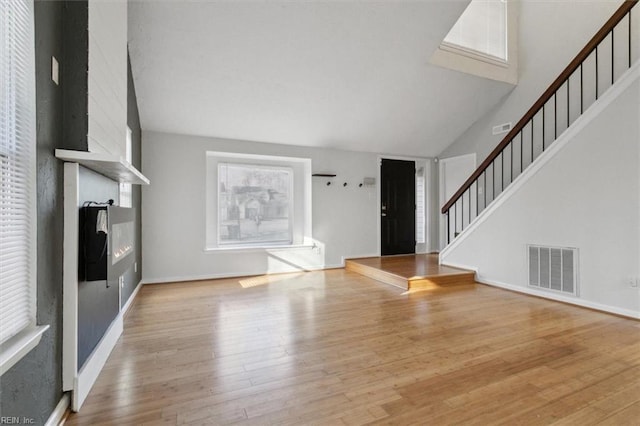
419, 162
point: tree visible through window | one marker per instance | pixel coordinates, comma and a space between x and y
254, 204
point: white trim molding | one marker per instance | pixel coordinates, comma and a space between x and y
58, 413
129, 302
70, 276
19, 345
572, 300
93, 366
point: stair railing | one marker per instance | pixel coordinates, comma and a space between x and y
596, 68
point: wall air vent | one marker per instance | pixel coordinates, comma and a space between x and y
553, 268
502, 128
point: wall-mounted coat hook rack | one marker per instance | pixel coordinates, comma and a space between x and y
326, 175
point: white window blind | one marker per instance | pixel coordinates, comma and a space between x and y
482, 28
420, 207
126, 191
17, 168
254, 204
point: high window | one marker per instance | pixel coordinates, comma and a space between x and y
483, 41
482, 29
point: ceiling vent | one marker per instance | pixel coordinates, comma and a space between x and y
553, 268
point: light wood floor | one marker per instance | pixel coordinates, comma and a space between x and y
336, 348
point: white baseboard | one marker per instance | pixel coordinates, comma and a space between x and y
93, 366
551, 296
127, 305
58, 413
165, 280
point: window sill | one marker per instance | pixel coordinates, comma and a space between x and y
475, 55
249, 249
479, 65
19, 345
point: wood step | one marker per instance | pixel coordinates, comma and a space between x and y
410, 272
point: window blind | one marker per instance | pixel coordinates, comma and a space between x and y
420, 207
17, 168
482, 28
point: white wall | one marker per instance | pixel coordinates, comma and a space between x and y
551, 33
345, 219
586, 196
107, 79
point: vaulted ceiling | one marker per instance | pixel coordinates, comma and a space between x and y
352, 75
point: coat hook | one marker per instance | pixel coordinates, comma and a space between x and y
344, 184
328, 183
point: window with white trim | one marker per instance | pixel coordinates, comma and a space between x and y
257, 201
18, 185
126, 191
483, 42
481, 29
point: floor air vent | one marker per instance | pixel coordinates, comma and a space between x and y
553, 268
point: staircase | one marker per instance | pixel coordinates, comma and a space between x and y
596, 68
554, 211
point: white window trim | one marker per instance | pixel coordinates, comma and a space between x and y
301, 213
19, 345
469, 61
473, 54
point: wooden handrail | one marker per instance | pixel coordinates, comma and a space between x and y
546, 96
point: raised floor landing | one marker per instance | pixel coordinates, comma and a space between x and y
410, 272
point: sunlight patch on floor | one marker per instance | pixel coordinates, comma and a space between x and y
267, 279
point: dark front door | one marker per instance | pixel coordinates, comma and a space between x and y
398, 214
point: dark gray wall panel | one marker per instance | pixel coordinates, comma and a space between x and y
97, 303
33, 387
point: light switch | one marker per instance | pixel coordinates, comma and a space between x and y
54, 70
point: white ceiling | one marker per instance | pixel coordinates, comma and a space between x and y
343, 74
